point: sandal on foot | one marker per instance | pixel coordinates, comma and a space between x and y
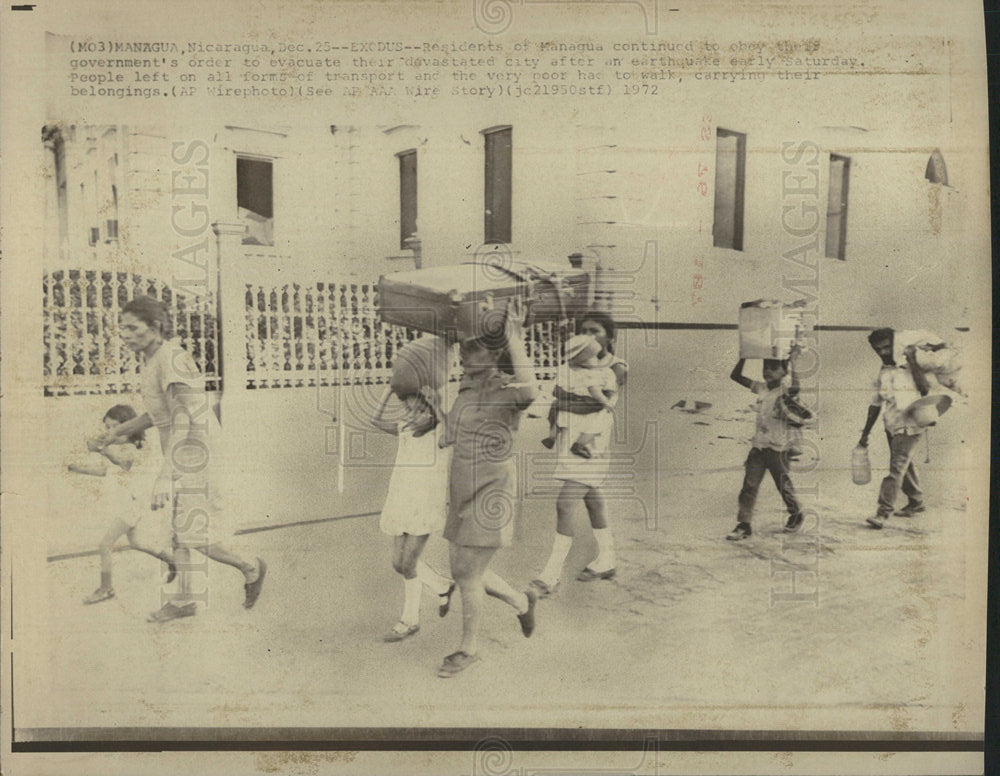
543, 589
580, 450
444, 600
101, 594
455, 663
400, 631
528, 618
549, 442
589, 575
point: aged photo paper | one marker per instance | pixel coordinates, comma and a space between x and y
494, 386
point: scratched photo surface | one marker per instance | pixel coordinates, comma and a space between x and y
204, 208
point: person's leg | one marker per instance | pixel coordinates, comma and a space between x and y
253, 573
901, 449
180, 603
605, 560
397, 553
222, 554
182, 557
431, 579
752, 477
106, 591
138, 544
410, 549
911, 479
553, 417
497, 587
593, 499
777, 464
523, 603
468, 564
569, 494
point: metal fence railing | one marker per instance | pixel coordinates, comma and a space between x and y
82, 348
295, 334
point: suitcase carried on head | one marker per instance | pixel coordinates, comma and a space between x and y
470, 299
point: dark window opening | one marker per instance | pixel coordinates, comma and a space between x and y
836, 207
730, 176
499, 177
407, 196
255, 199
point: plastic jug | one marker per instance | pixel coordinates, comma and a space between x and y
861, 468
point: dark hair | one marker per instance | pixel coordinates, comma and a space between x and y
152, 312
495, 345
773, 362
880, 335
124, 413
606, 322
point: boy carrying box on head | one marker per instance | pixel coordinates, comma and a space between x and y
778, 415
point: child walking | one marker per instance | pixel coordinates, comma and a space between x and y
417, 501
771, 442
583, 375
130, 477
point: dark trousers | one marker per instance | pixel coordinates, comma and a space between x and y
902, 473
759, 461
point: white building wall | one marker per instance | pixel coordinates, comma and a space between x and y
623, 191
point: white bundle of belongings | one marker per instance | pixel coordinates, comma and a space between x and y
922, 411
932, 355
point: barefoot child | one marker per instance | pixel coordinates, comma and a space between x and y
770, 444
417, 501
583, 376
129, 487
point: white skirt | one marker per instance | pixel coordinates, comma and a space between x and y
417, 499
587, 471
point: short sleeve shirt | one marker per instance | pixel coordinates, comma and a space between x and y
610, 360
580, 380
484, 416
172, 365
169, 365
772, 429
884, 388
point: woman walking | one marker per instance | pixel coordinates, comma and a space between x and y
582, 478
481, 425
173, 393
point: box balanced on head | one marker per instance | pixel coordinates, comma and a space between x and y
768, 328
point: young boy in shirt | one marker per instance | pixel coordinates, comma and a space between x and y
770, 442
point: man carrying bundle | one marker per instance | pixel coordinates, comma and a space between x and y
903, 388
